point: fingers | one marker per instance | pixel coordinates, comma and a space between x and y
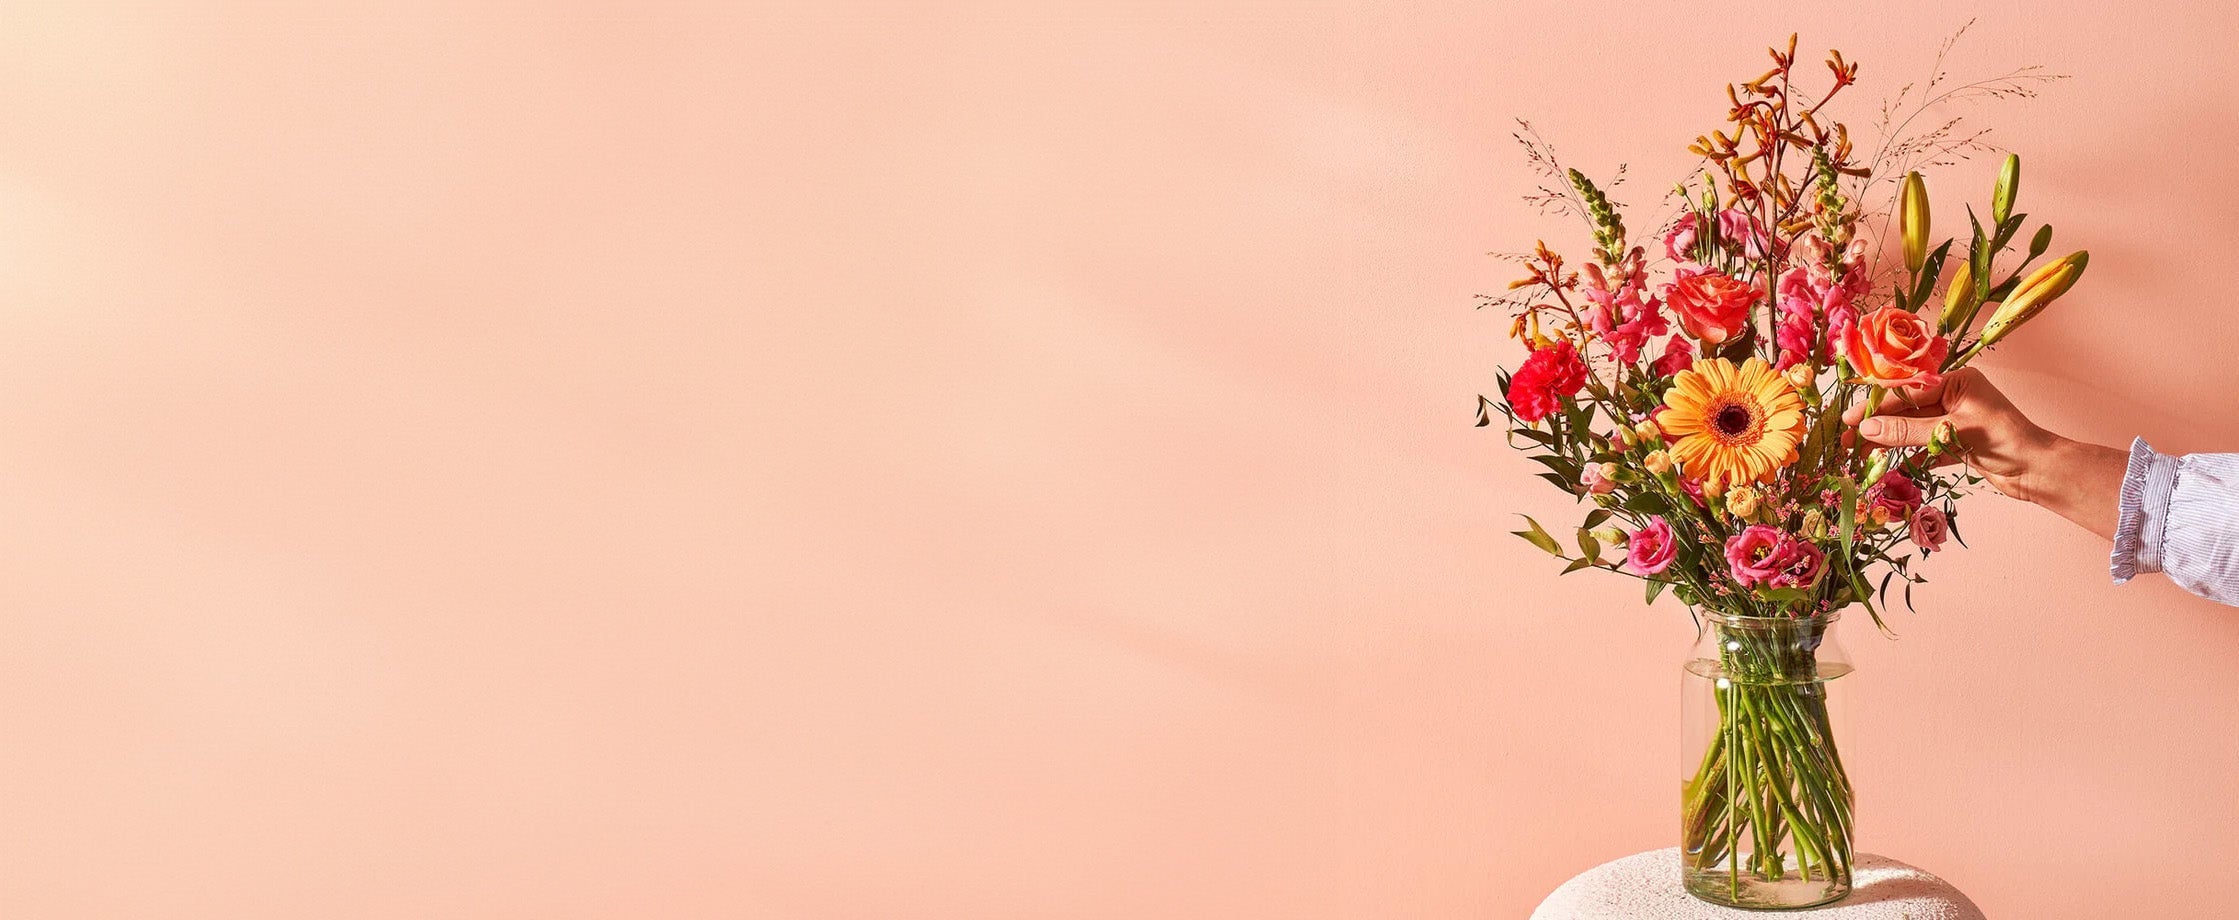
1899, 431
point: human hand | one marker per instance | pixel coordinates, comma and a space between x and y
1994, 438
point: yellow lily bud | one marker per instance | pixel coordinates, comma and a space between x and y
1959, 299
2033, 295
2009, 185
1912, 220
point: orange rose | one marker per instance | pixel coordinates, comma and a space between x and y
1712, 306
1894, 348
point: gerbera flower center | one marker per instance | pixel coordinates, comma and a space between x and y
1733, 420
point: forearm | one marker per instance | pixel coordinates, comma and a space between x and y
2078, 481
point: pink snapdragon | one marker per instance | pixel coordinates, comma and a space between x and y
1679, 355
1622, 315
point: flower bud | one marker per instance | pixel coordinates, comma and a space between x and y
1648, 432
1912, 220
1875, 467
2033, 295
1959, 299
1741, 501
1815, 524
1657, 462
1943, 439
1609, 536
1800, 376
2009, 184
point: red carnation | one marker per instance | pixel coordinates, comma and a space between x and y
1549, 374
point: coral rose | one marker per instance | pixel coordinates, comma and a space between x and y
1929, 527
1895, 348
1712, 306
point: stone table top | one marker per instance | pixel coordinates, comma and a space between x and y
1645, 886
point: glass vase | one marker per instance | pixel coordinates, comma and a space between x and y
1765, 806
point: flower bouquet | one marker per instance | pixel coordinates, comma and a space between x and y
1696, 401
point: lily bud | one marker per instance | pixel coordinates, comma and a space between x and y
1912, 220
1959, 299
2033, 295
2009, 184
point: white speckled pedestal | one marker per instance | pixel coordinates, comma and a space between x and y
1645, 886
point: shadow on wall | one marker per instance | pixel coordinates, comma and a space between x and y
2149, 228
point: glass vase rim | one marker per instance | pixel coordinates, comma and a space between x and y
1738, 619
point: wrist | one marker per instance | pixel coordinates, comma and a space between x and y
2040, 456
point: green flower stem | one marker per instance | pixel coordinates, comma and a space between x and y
1772, 774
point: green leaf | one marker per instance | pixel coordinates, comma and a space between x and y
1595, 517
1654, 588
1538, 537
1576, 565
1848, 516
1784, 595
1646, 503
1978, 257
1929, 269
1533, 434
1589, 548
1564, 466
1567, 485
1484, 414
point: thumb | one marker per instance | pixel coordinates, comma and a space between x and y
1897, 431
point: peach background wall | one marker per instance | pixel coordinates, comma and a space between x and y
975, 461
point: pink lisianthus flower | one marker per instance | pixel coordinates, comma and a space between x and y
1801, 562
1738, 226
1755, 555
1894, 498
1766, 555
1929, 528
1651, 549
1679, 244
1679, 355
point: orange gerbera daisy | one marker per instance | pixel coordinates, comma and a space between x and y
1734, 425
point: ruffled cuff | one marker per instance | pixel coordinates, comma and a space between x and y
2146, 486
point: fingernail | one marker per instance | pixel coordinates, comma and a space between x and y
1870, 427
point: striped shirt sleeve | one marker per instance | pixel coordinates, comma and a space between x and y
2180, 517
